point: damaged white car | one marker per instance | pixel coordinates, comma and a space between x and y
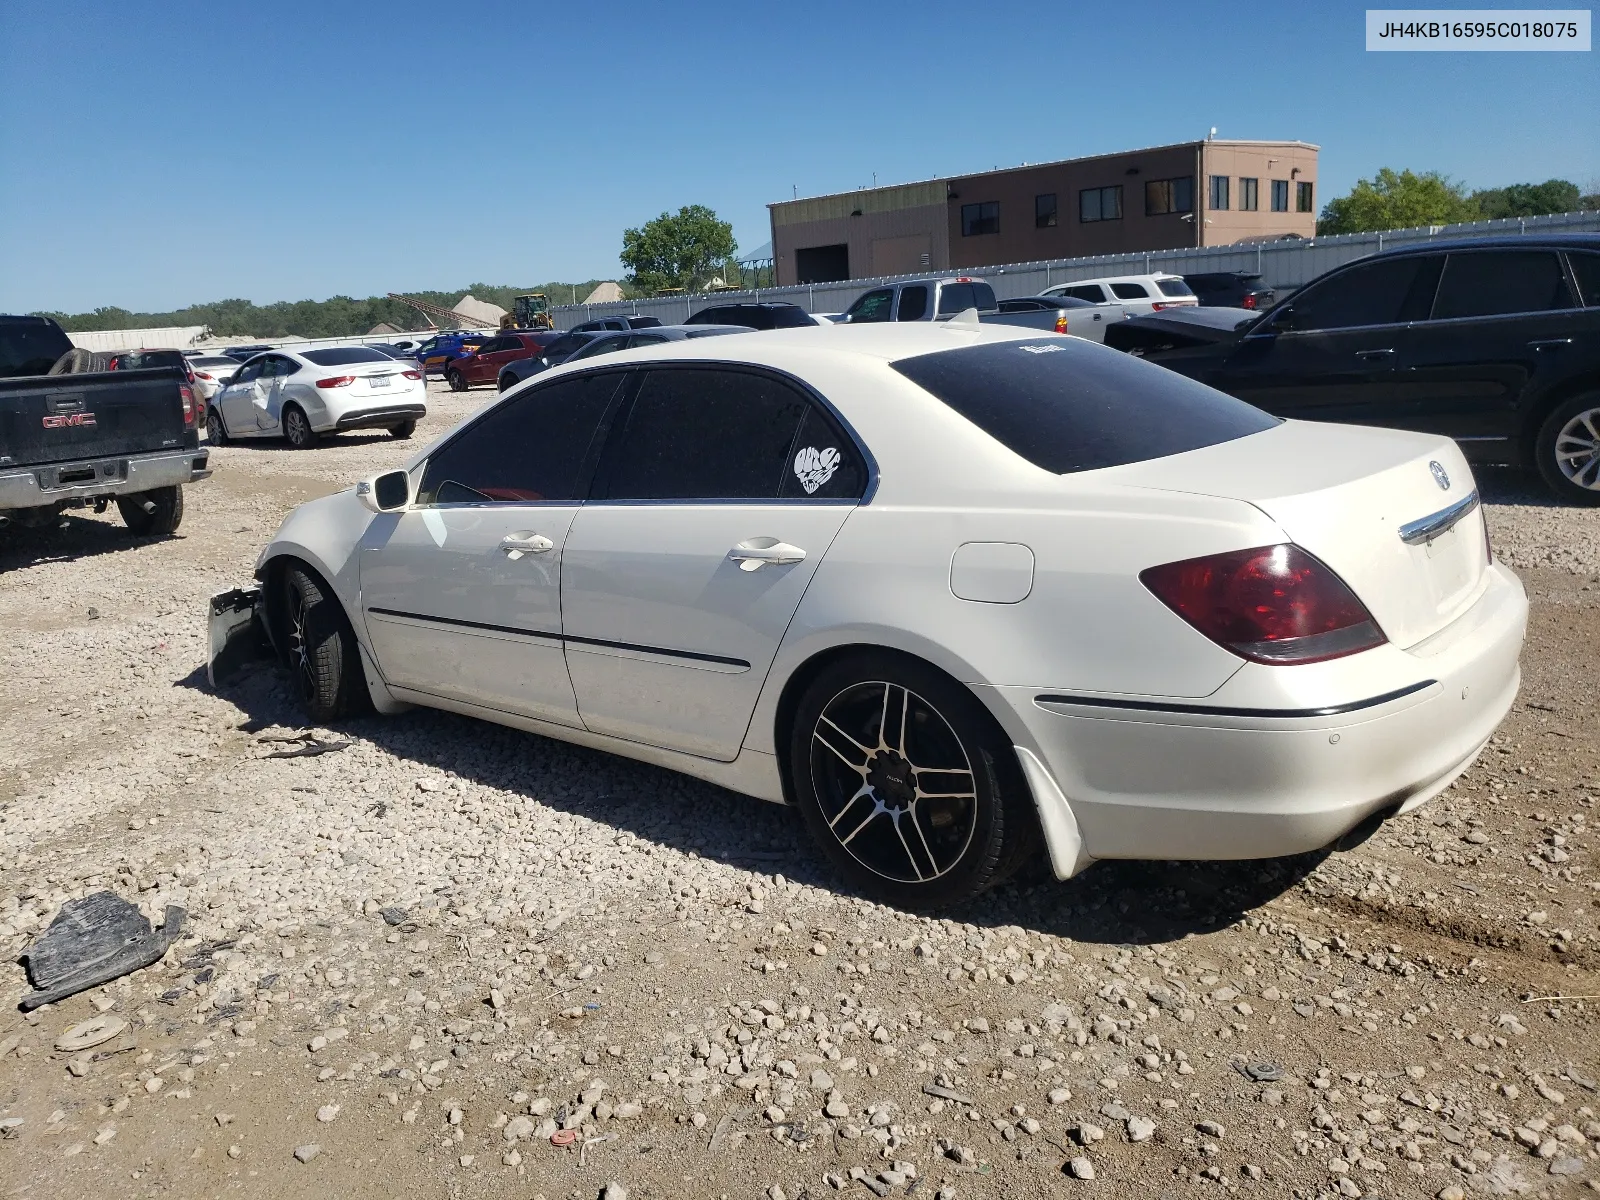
954, 591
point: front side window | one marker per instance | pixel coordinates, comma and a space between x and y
1044, 211
913, 303
1248, 194
1500, 282
535, 448
1302, 198
1100, 204
250, 371
1069, 407
1280, 195
1169, 196
701, 433
1378, 293
980, 219
874, 306
1219, 193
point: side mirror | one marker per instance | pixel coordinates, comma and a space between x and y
388, 492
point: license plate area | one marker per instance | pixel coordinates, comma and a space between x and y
83, 474
380, 381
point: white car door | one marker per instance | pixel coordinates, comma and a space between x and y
462, 594
719, 493
239, 408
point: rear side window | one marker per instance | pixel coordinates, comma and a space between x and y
958, 297
1088, 291
708, 316
1498, 282
1130, 291
30, 349
339, 356
531, 449
1587, 268
1067, 407
913, 303
1376, 293
1174, 287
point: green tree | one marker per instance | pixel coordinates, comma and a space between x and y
1527, 199
1397, 200
677, 251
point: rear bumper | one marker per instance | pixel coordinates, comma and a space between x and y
92, 478
1201, 780
388, 414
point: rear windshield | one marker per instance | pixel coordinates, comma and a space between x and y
958, 297
1175, 287
213, 362
1070, 407
143, 360
339, 356
30, 349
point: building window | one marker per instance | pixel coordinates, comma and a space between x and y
978, 219
1247, 195
1302, 197
1044, 211
1100, 204
1219, 193
1280, 195
1169, 196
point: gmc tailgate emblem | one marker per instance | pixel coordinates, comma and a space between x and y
63, 420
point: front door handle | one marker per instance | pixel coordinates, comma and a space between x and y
756, 553
1365, 355
516, 545
1550, 343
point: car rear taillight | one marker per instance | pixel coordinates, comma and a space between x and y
336, 381
203, 375
1272, 604
1061, 322
1248, 302
412, 374
187, 393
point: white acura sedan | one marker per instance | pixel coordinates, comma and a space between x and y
300, 395
954, 591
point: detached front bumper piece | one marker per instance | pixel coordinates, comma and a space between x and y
238, 632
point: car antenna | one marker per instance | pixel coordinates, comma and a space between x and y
967, 318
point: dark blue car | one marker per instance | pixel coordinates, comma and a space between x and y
440, 351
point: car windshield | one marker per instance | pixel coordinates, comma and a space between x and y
1070, 407
1174, 287
339, 356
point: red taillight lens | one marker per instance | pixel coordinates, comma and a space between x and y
188, 405
203, 375
1248, 302
1061, 322
1160, 304
412, 374
1272, 604
337, 381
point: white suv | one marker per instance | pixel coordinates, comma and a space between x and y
1137, 294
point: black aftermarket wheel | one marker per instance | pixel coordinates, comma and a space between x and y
323, 658
906, 782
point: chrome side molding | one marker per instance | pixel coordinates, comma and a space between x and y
1423, 530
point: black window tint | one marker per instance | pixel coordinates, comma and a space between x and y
791, 317
874, 306
958, 297
1174, 287
1372, 294
564, 345
1586, 267
708, 316
1130, 291
602, 345
823, 463
705, 434
1070, 407
1044, 211
1089, 291
913, 303
1493, 282
979, 219
30, 349
534, 447
339, 356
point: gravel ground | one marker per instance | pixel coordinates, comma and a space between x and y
456, 959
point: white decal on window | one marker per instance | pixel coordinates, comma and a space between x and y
1040, 349
815, 467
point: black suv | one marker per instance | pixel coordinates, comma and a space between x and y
602, 324
1231, 289
754, 316
1492, 341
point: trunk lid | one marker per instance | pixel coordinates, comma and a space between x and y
1344, 492
60, 418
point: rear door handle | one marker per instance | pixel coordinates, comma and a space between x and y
1367, 354
755, 553
517, 544
1550, 343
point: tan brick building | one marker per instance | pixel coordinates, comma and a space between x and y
1209, 193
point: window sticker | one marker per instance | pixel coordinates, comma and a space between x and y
1040, 349
815, 467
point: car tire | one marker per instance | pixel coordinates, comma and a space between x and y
456, 380
1567, 450
297, 429
216, 431
323, 657
950, 814
506, 380
163, 516
403, 430
74, 362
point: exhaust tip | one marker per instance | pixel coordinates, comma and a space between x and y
1368, 826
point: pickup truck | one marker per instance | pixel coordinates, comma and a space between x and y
71, 436
936, 299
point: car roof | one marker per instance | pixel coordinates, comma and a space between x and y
1121, 278
1513, 241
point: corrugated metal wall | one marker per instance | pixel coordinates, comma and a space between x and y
1285, 266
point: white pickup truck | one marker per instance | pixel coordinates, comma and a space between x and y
939, 299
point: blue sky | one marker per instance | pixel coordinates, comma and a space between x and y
153, 155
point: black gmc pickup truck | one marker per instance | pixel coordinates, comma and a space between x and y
71, 435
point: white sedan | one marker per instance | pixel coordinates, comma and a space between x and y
301, 395
211, 373
956, 591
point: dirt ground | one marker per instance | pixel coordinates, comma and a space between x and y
419, 964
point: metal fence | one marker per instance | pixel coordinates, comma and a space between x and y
1285, 266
